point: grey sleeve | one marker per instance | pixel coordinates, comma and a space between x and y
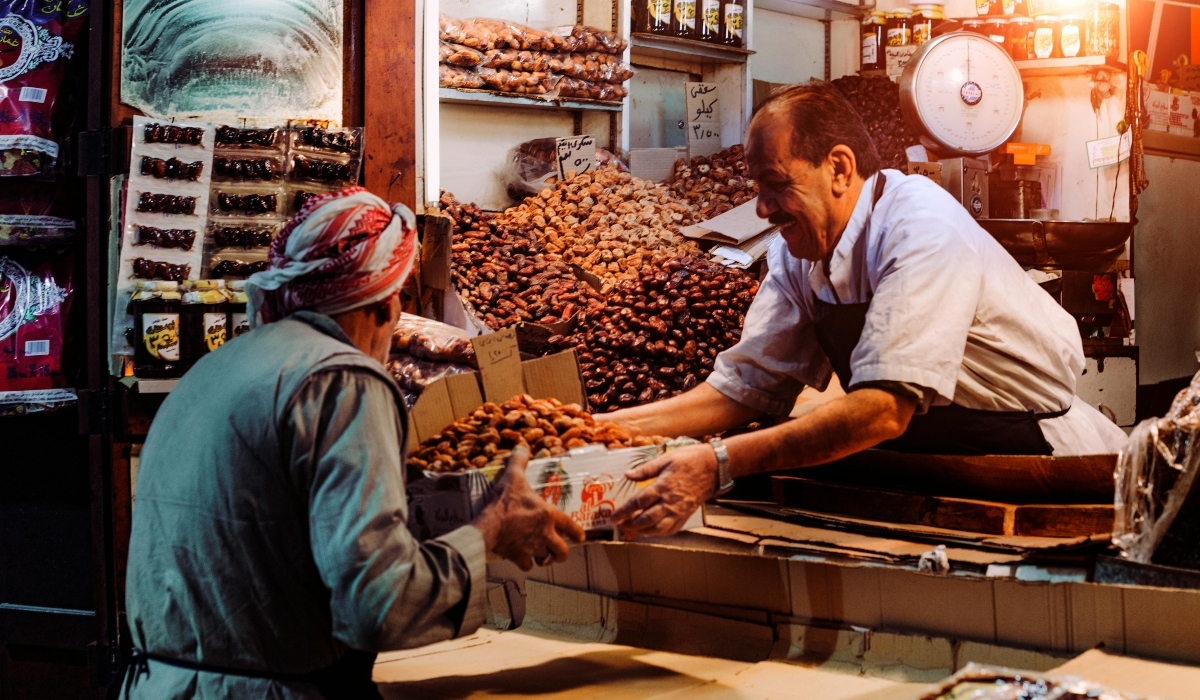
386, 589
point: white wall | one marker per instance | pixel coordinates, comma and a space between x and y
789, 49
475, 143
1167, 268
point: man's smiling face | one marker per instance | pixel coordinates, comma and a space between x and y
792, 193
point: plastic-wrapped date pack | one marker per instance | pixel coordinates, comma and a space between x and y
34, 212
36, 291
424, 351
459, 78
595, 67
584, 89
37, 40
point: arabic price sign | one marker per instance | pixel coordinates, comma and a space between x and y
576, 153
703, 118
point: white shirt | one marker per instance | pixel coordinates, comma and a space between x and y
951, 311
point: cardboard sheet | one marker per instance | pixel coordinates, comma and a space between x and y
736, 226
1131, 675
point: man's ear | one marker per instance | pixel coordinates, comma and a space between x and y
843, 165
383, 313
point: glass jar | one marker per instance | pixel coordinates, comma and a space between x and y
985, 7
239, 322
652, 16
1007, 8
1103, 29
974, 25
156, 349
204, 321
1020, 38
874, 38
1045, 37
925, 18
709, 22
1070, 36
683, 19
732, 21
996, 29
899, 29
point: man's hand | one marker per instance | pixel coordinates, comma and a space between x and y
686, 478
519, 526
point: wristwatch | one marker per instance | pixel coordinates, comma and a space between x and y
724, 477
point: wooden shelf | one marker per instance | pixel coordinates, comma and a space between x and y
1080, 65
672, 48
815, 9
503, 99
149, 386
1156, 143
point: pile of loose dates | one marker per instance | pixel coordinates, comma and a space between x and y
660, 334
489, 434
713, 185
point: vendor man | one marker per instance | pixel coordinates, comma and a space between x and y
942, 342
270, 555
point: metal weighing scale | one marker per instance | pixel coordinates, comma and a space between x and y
963, 92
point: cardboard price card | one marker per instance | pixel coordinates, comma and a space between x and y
577, 153
703, 106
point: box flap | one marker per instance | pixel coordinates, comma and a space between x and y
737, 225
464, 394
435, 251
499, 365
1152, 678
554, 377
654, 164
432, 412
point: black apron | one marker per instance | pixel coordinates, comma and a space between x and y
944, 430
349, 678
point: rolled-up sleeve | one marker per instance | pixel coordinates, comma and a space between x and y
387, 590
778, 354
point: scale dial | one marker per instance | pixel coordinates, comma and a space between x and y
964, 92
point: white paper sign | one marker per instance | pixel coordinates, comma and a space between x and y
577, 153
703, 118
1109, 151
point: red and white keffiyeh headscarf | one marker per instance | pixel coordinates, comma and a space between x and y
341, 251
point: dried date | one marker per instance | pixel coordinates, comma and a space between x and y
320, 170
246, 168
228, 137
237, 268
242, 237
146, 269
171, 169
182, 239
172, 134
166, 204
251, 204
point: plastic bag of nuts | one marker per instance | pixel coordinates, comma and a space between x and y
458, 55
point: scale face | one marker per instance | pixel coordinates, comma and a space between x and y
964, 92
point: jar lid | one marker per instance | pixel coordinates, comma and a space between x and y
996, 20
972, 22
1021, 20
1047, 18
1072, 18
900, 13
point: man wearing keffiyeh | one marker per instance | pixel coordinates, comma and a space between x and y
269, 555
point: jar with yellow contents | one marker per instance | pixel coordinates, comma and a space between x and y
924, 20
899, 28
1045, 37
874, 38
1070, 36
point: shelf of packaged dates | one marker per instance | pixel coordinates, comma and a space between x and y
673, 48
504, 99
21, 403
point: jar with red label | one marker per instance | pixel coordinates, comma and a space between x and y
1020, 38
1045, 37
1070, 36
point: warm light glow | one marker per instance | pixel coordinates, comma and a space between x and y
956, 75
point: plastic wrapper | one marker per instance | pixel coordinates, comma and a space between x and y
39, 41
427, 339
517, 60
977, 682
179, 238
35, 301
234, 233
160, 203
237, 264
243, 201
345, 141
459, 78
585, 39
231, 137
413, 375
522, 83
1156, 472
595, 67
458, 55
171, 168
247, 168
323, 170
34, 212
584, 89
533, 163
150, 269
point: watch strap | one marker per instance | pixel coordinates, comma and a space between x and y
724, 474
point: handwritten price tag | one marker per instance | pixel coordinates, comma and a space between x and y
576, 153
703, 118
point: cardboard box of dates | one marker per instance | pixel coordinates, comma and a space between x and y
586, 481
